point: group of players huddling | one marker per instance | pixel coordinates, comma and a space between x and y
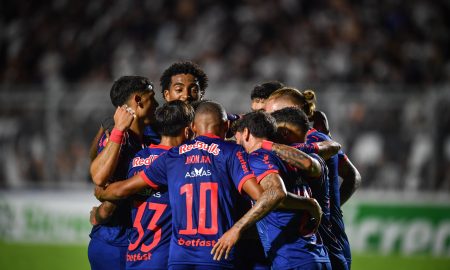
188, 186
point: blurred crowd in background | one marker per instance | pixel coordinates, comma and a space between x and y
381, 71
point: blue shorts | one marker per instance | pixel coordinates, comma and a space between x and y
314, 266
103, 256
195, 267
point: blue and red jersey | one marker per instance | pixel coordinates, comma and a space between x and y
204, 177
151, 216
115, 231
320, 191
336, 217
286, 238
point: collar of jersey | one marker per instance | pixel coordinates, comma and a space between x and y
210, 135
311, 130
165, 147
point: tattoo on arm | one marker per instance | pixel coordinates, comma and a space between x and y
297, 158
273, 194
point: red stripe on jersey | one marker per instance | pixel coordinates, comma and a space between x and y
261, 176
160, 146
243, 180
210, 135
148, 181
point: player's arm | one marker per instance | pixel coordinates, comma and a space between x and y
121, 189
266, 201
104, 165
351, 178
295, 158
291, 201
327, 149
93, 148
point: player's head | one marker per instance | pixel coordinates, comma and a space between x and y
174, 119
184, 81
292, 125
210, 117
136, 92
254, 127
291, 97
261, 92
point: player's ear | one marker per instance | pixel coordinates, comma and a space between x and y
246, 134
137, 99
188, 133
193, 128
166, 94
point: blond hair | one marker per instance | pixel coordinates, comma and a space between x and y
306, 99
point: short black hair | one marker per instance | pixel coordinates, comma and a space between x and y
211, 107
294, 116
260, 124
264, 90
173, 117
184, 67
125, 86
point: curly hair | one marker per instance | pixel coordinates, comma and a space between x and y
185, 67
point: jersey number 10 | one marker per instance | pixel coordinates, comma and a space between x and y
188, 189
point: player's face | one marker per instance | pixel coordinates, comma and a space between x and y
275, 104
258, 104
240, 138
184, 87
290, 133
147, 107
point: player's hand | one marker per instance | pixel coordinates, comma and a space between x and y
123, 117
316, 213
92, 218
225, 244
98, 192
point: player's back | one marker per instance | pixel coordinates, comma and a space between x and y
151, 216
204, 177
286, 238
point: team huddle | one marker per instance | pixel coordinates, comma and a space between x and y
188, 186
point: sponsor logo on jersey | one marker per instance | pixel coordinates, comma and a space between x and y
139, 257
197, 173
210, 148
243, 162
195, 159
138, 161
196, 242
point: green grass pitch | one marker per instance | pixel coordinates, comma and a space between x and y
15, 256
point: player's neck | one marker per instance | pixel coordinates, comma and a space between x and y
171, 141
255, 143
138, 129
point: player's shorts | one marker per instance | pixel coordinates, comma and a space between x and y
250, 255
195, 267
103, 256
314, 266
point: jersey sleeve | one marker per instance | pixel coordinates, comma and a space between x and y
238, 164
263, 164
317, 137
156, 174
102, 143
